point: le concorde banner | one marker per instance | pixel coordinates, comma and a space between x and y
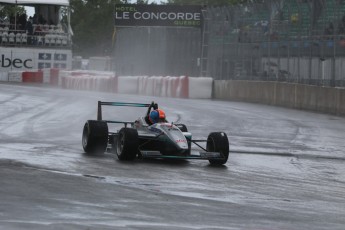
158, 15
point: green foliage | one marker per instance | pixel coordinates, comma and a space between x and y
92, 22
8, 10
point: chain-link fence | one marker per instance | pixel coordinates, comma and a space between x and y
293, 40
299, 41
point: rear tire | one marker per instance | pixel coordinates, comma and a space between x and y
218, 142
95, 137
127, 144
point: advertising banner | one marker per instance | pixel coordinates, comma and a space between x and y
128, 15
26, 59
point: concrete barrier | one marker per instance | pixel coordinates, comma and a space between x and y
284, 94
127, 85
105, 81
32, 76
167, 86
298, 96
341, 99
200, 87
163, 86
15, 76
149, 85
54, 76
4, 76
46, 75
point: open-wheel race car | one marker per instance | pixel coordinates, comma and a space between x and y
143, 138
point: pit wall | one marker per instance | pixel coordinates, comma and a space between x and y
297, 96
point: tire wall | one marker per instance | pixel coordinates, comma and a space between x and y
298, 96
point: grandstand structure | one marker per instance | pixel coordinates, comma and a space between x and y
38, 42
299, 41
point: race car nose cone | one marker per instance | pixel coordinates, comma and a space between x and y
182, 143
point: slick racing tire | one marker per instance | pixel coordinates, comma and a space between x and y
127, 144
182, 127
218, 142
95, 137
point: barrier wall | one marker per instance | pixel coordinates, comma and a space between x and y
32, 77
127, 85
164, 86
181, 87
105, 81
298, 96
3, 76
87, 80
200, 87
15, 76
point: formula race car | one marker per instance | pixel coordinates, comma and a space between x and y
143, 139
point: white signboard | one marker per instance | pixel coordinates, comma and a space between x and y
25, 59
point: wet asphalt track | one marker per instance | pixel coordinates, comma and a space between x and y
285, 169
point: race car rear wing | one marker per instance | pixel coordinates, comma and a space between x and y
100, 103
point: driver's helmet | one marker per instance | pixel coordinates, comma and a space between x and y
156, 116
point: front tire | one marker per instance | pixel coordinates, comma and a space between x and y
95, 137
218, 142
127, 144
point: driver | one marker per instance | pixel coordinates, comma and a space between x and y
154, 116
157, 116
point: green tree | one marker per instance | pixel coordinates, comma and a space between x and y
10, 10
92, 22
